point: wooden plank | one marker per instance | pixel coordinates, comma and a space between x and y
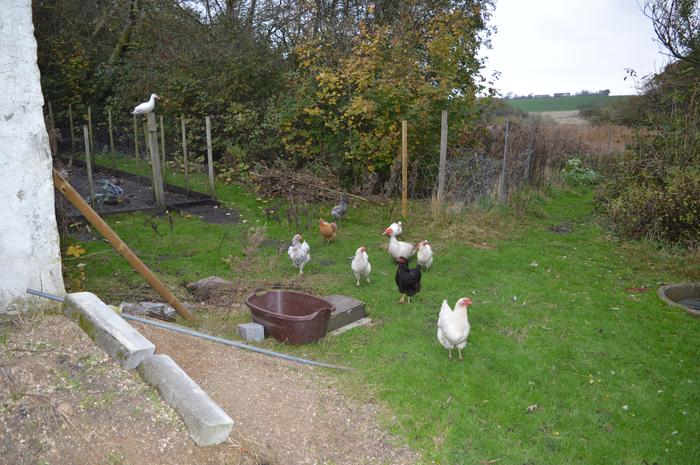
210, 157
404, 168
88, 161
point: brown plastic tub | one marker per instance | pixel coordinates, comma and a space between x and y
290, 316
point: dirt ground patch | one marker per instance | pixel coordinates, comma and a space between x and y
292, 413
63, 401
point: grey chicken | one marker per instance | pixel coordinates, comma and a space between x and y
341, 209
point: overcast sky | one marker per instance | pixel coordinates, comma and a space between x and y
547, 46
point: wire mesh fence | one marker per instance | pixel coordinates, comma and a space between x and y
515, 153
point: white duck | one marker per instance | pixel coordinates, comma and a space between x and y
453, 326
398, 248
425, 254
360, 264
146, 107
299, 252
396, 227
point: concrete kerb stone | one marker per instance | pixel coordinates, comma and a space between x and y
207, 423
107, 329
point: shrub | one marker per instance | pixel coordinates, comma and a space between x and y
668, 211
575, 174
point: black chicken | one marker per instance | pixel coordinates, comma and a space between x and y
407, 279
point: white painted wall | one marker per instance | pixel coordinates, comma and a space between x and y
29, 247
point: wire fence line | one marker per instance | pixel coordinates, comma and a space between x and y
515, 152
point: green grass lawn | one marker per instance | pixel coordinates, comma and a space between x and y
571, 103
610, 375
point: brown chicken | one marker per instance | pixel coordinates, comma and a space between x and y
327, 230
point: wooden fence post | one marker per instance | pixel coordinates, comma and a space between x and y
52, 131
502, 194
72, 134
88, 161
92, 140
112, 155
529, 150
162, 147
148, 140
155, 161
404, 169
210, 157
184, 152
136, 139
443, 159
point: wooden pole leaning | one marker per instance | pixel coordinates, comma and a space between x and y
404, 169
74, 198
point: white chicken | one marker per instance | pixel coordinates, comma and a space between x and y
146, 107
425, 254
453, 326
397, 228
360, 265
398, 248
299, 252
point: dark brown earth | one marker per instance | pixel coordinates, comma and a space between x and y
138, 195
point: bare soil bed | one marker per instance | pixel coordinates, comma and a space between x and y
138, 195
63, 401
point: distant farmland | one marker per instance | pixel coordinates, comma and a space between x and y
537, 105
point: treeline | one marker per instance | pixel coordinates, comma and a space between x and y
322, 80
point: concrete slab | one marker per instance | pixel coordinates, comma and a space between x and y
251, 331
346, 311
109, 330
206, 422
354, 324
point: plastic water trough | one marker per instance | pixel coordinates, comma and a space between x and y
189, 332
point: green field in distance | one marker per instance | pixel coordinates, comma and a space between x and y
537, 105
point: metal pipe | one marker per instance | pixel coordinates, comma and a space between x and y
189, 332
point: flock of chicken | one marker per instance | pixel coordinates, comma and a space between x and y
453, 325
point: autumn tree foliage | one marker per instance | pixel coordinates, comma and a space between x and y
308, 81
